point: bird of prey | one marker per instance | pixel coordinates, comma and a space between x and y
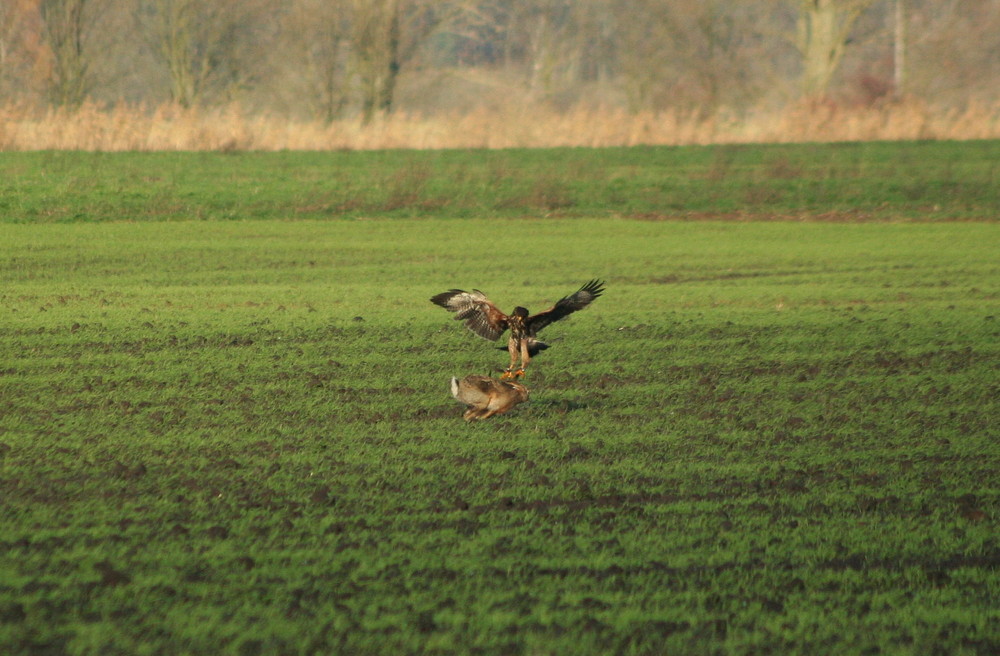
482, 317
487, 396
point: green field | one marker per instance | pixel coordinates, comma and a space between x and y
225, 424
854, 181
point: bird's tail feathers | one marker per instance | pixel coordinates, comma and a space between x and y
534, 347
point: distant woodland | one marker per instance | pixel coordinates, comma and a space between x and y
332, 60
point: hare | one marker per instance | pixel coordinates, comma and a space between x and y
487, 396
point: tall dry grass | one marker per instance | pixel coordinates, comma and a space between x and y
129, 127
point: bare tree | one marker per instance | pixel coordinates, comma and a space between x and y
899, 48
698, 54
8, 21
549, 45
821, 35
554, 47
201, 43
12, 17
339, 56
174, 24
953, 50
67, 28
385, 36
377, 56
314, 53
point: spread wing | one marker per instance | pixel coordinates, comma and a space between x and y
478, 312
565, 306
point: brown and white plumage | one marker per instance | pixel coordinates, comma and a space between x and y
487, 396
478, 312
485, 319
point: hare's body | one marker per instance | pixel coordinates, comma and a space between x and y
487, 396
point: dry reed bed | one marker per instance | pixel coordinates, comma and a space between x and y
129, 127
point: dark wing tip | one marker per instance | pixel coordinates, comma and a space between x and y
567, 305
443, 298
582, 297
595, 287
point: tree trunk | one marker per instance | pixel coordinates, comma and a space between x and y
64, 28
377, 54
899, 51
175, 46
822, 30
387, 88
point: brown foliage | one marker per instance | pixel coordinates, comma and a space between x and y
170, 127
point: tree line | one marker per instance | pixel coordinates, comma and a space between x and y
334, 58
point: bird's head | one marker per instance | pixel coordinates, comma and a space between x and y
520, 312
